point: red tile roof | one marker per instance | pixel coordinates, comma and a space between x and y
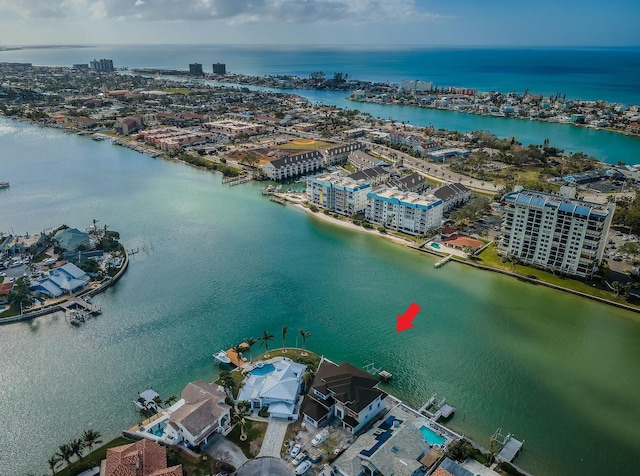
143, 458
461, 241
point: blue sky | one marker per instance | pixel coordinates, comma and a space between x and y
330, 22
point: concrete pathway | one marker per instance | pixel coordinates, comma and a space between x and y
219, 443
274, 437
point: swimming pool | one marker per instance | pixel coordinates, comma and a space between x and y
159, 429
435, 246
264, 370
431, 436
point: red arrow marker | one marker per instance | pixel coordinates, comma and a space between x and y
404, 320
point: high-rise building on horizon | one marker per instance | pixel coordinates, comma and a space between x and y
101, 65
219, 68
195, 69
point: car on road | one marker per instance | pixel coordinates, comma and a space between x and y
319, 438
295, 450
303, 468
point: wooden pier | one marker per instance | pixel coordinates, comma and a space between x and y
442, 261
231, 181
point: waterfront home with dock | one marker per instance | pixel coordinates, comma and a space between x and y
276, 384
343, 391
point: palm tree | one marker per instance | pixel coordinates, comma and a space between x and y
304, 335
227, 382
238, 349
266, 337
65, 453
238, 417
77, 446
170, 401
91, 438
53, 462
250, 342
284, 333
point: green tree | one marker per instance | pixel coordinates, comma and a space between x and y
90, 438
284, 333
227, 382
65, 453
239, 349
304, 334
266, 338
77, 447
250, 342
53, 463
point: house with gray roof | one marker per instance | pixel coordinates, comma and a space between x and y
200, 413
391, 448
276, 384
343, 391
453, 195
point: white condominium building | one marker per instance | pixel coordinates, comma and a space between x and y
339, 194
555, 232
404, 211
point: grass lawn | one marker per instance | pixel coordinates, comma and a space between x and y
12, 311
254, 430
489, 257
293, 354
97, 455
305, 144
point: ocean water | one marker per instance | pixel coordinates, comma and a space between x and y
221, 263
611, 74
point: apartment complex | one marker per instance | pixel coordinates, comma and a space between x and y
195, 69
342, 195
101, 65
555, 232
407, 212
219, 68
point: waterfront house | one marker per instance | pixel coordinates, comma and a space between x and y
345, 392
275, 384
394, 447
343, 195
5, 291
71, 240
200, 413
407, 212
142, 458
66, 279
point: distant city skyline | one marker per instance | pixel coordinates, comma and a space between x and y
321, 22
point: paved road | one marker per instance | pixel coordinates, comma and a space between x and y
274, 438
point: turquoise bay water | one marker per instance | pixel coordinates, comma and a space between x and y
222, 264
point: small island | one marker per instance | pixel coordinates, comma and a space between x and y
58, 270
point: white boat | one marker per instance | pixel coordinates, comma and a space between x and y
222, 357
147, 401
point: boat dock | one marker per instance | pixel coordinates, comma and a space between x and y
383, 374
442, 261
278, 200
231, 181
435, 410
510, 446
78, 310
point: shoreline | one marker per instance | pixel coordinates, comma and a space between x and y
481, 267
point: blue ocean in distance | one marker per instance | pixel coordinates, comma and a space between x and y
610, 74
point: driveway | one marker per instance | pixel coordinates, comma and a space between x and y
219, 444
274, 437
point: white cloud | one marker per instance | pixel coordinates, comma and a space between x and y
231, 11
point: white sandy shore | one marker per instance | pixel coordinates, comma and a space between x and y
373, 231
